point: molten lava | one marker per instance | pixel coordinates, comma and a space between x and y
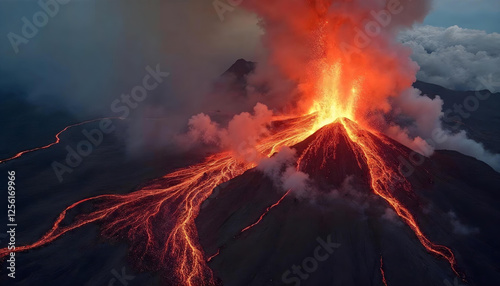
332, 102
158, 220
382, 271
305, 40
265, 213
57, 138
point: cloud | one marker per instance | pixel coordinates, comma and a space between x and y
322, 50
281, 169
454, 57
294, 180
472, 14
240, 135
459, 227
357, 197
418, 125
92, 52
391, 216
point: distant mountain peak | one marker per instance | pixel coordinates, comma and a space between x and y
240, 69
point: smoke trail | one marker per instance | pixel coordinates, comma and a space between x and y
305, 38
345, 54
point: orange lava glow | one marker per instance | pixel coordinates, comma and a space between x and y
56, 141
332, 102
213, 256
141, 216
159, 220
382, 271
265, 212
386, 179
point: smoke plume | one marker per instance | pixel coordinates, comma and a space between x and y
346, 54
346, 44
240, 135
281, 170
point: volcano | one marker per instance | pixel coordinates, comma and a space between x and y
373, 211
345, 232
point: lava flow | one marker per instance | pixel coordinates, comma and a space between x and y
166, 244
386, 180
307, 42
265, 213
382, 271
57, 139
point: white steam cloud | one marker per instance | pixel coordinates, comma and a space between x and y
240, 135
459, 227
454, 57
280, 168
426, 133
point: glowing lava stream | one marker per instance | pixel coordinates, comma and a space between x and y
265, 213
382, 271
213, 256
57, 139
159, 219
384, 178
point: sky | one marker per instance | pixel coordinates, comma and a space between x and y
93, 51
471, 14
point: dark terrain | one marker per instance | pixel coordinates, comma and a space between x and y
350, 213
358, 220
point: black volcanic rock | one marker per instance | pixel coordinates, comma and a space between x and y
234, 79
229, 94
329, 156
240, 69
481, 124
294, 232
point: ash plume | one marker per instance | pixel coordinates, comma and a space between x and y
281, 170
303, 38
240, 135
309, 50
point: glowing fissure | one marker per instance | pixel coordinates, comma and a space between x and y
158, 220
141, 216
384, 179
382, 271
213, 256
304, 39
57, 139
265, 212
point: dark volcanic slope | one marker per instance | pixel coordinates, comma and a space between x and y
329, 157
294, 232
